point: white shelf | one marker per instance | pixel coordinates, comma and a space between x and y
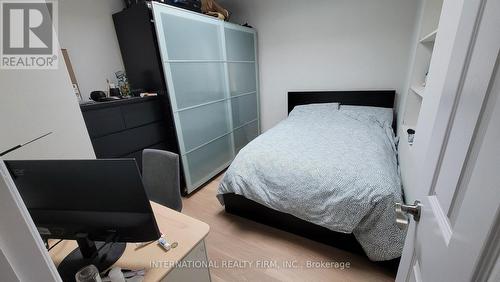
419, 90
431, 37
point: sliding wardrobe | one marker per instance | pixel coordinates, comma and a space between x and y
209, 69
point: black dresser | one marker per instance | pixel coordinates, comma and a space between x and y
123, 128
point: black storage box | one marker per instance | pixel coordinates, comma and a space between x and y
193, 5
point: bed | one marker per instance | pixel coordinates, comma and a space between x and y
328, 172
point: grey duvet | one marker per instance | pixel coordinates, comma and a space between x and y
333, 167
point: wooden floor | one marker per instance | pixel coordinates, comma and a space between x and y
243, 250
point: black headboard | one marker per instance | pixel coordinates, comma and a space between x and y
373, 98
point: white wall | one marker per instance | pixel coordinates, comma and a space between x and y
327, 45
86, 29
34, 102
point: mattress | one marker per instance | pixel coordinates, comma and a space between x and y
334, 167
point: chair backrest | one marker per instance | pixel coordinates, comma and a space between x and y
160, 175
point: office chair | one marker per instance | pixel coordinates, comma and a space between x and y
160, 175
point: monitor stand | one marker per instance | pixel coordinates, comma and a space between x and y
87, 253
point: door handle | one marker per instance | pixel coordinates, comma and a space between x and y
402, 212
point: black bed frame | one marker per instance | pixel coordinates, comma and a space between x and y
378, 98
241, 206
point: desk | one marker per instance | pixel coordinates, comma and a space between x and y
188, 232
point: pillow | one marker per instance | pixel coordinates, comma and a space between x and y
384, 116
316, 107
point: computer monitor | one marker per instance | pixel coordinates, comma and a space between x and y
87, 201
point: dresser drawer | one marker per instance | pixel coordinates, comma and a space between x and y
103, 121
123, 143
135, 115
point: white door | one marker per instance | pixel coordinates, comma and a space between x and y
457, 237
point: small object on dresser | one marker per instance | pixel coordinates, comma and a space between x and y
113, 91
411, 136
136, 92
123, 85
146, 94
100, 96
97, 95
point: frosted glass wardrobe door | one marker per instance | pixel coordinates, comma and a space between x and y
244, 109
242, 78
197, 83
206, 161
203, 124
243, 84
191, 37
240, 44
